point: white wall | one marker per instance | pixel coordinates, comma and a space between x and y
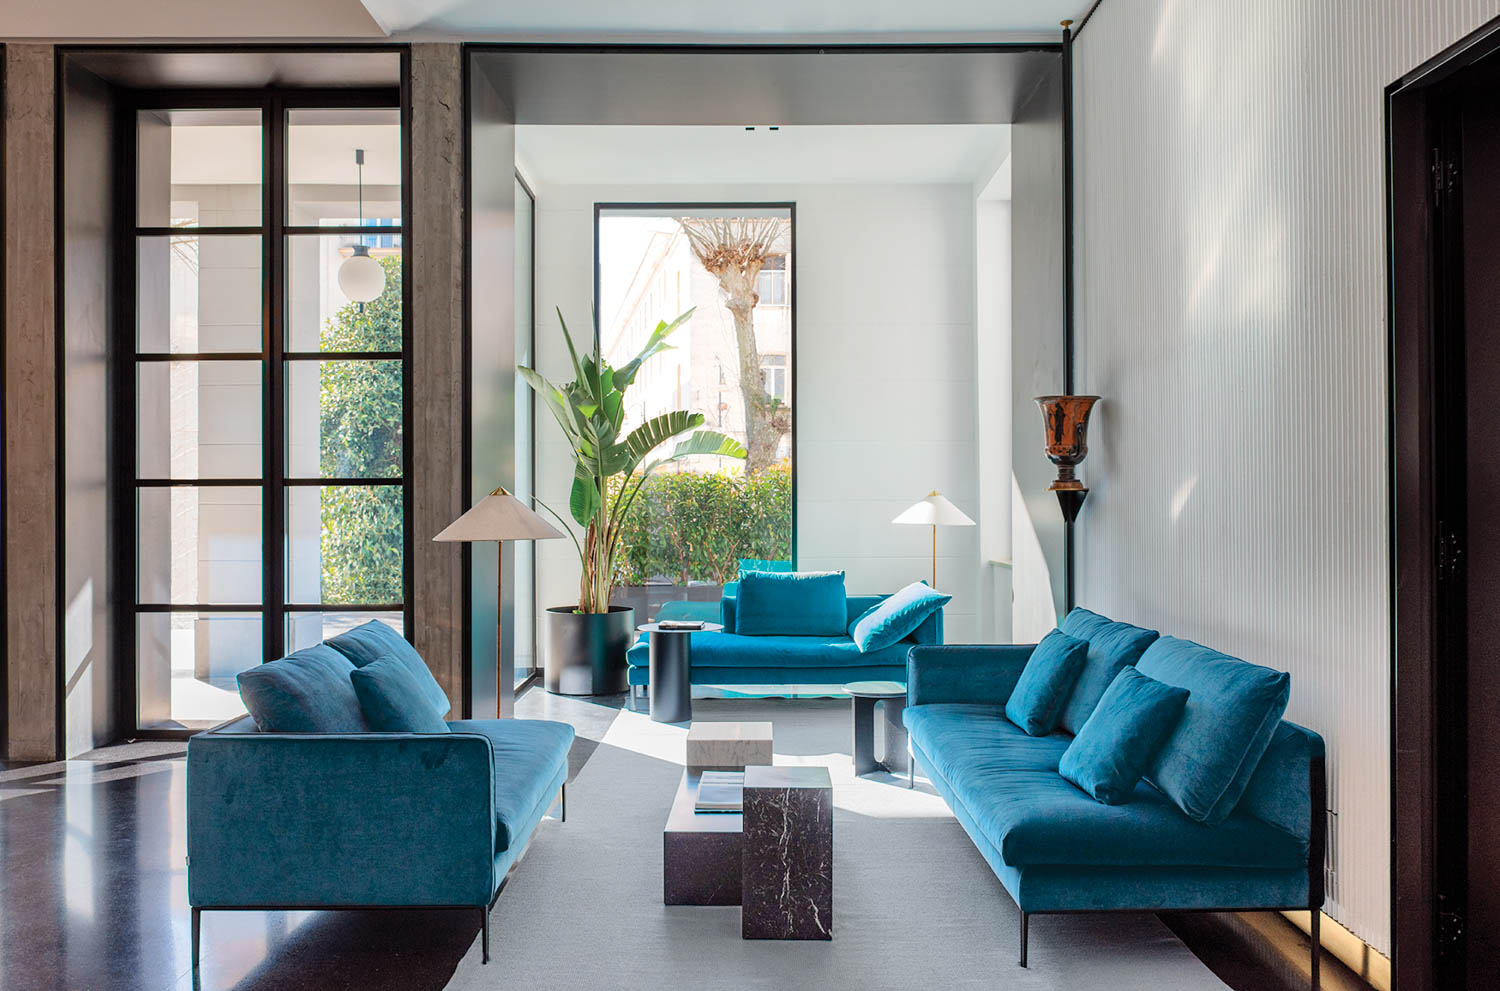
885, 399
1232, 313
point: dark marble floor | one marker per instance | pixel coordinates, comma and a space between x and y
93, 893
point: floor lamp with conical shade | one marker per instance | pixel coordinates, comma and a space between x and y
934, 511
499, 516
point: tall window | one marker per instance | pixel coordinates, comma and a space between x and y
270, 460
732, 362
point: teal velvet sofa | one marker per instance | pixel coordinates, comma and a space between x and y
1057, 850
356, 820
729, 658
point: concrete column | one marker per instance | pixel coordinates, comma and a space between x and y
30, 410
435, 271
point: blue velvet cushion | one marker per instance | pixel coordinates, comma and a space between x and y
374, 640
791, 603
893, 619
1048, 676
304, 692
392, 699
1116, 745
1231, 714
1112, 646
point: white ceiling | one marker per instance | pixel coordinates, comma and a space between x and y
697, 19
934, 153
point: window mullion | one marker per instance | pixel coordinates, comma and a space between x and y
273, 423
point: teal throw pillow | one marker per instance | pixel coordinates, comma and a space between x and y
1118, 741
374, 640
1045, 682
792, 603
1112, 646
1235, 707
392, 700
895, 617
304, 692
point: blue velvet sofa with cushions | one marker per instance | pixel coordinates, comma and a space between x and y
751, 651
302, 804
1227, 816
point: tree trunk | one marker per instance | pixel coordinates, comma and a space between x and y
761, 434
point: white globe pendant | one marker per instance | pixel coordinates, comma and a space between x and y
361, 277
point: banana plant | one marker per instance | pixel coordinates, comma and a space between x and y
591, 412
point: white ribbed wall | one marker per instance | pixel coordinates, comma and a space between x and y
1231, 312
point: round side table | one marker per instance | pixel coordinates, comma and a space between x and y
671, 685
891, 695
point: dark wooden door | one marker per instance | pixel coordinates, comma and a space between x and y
1475, 685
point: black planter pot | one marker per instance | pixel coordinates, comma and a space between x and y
586, 651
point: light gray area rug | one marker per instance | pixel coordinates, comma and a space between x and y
915, 905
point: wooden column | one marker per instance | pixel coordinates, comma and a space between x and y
30, 407
435, 269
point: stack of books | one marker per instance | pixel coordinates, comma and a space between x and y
721, 791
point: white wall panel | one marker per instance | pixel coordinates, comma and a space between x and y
1231, 308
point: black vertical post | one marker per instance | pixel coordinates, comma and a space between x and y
1067, 126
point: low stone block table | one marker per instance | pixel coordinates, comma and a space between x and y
787, 873
701, 851
727, 746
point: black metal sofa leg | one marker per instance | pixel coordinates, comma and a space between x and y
1025, 931
484, 938
1317, 946
197, 928
564, 816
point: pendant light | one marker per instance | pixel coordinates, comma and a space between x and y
360, 276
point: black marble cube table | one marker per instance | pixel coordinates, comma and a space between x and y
787, 873
701, 851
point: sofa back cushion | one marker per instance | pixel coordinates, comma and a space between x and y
392, 699
1125, 732
369, 643
1112, 646
305, 692
794, 603
1232, 710
895, 617
1045, 681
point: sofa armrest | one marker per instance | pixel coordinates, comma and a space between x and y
340, 820
727, 605
984, 674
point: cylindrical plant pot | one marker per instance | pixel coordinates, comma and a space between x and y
586, 651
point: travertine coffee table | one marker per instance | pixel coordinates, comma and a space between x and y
728, 746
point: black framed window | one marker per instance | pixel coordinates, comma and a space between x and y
269, 336
734, 362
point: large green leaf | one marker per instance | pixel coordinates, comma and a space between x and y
655, 344
559, 402
709, 442
660, 429
583, 500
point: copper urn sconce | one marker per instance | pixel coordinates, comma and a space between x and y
1066, 421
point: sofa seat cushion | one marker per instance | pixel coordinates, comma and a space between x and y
1232, 710
531, 758
730, 650
969, 742
307, 691
1037, 817
1112, 646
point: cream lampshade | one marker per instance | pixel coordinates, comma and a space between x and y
934, 511
499, 516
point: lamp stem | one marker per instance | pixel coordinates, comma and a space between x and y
934, 556
500, 686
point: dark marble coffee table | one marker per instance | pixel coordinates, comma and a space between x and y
701, 851
787, 874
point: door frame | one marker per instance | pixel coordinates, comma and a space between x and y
1415, 108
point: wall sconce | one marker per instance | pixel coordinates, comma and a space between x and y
1066, 422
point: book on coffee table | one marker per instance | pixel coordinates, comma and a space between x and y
680, 624
721, 791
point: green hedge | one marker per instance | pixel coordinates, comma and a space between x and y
689, 526
360, 437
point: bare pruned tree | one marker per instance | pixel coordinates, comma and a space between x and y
733, 250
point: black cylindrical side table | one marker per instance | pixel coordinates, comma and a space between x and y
671, 685
892, 698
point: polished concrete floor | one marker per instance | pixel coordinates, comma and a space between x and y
94, 894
